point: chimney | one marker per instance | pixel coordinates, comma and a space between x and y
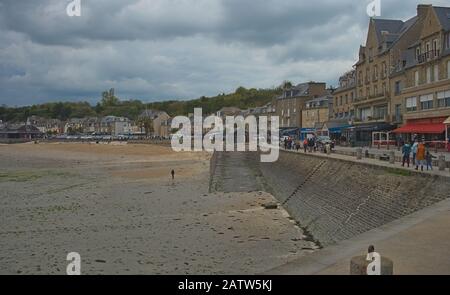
422, 10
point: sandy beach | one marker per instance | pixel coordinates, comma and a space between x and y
117, 206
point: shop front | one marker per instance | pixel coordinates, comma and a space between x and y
447, 133
432, 131
363, 134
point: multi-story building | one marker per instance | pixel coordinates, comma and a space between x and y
46, 126
424, 100
398, 59
344, 97
289, 105
161, 126
317, 111
115, 126
160, 122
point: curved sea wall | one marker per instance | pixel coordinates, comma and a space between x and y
338, 199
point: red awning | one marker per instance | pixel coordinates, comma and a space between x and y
421, 128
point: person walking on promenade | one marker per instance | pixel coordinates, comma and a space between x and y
406, 152
305, 145
297, 145
414, 151
310, 144
420, 156
429, 158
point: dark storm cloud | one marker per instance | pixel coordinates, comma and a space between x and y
161, 49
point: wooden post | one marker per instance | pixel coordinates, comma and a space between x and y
359, 264
392, 157
442, 163
359, 153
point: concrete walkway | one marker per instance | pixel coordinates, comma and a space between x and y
419, 244
376, 162
381, 151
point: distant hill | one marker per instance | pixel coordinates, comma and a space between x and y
111, 105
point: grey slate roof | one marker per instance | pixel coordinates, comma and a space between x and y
443, 14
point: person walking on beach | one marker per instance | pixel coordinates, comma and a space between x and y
406, 152
429, 158
414, 151
173, 174
420, 156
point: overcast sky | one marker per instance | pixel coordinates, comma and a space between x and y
177, 49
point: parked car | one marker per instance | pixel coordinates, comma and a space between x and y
323, 140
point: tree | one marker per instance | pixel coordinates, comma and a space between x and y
286, 85
147, 124
108, 98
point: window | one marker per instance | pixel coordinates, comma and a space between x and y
398, 112
416, 78
384, 89
365, 113
380, 112
368, 91
411, 104
436, 73
426, 101
375, 90
443, 99
384, 70
346, 99
352, 97
375, 73
398, 87
448, 69
367, 75
428, 74
418, 53
447, 41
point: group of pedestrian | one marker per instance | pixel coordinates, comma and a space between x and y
421, 155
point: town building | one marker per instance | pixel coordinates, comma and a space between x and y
19, 131
228, 111
161, 126
160, 120
401, 75
344, 97
289, 105
115, 126
45, 125
424, 100
317, 111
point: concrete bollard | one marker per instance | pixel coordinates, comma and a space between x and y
359, 264
392, 157
442, 163
359, 153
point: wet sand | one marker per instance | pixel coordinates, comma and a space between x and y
117, 206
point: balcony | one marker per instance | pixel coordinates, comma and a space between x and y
371, 119
396, 118
428, 56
